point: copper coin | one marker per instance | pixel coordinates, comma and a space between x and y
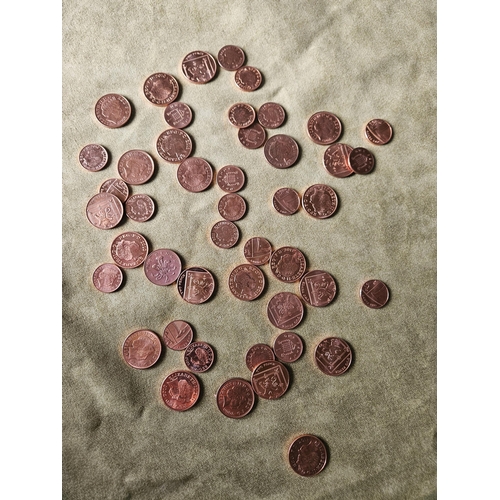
336, 160
199, 356
230, 178
257, 354
104, 210
378, 131
178, 115
257, 251
288, 264
174, 145
180, 390
241, 115
324, 127
333, 356
285, 310
162, 267
232, 207
129, 249
107, 278
318, 288
161, 89
195, 285
178, 335
320, 201
286, 201
113, 110
199, 67
231, 57
248, 78
141, 349
246, 282
281, 151
288, 347
252, 137
235, 398
307, 455
194, 174
140, 207
225, 234
361, 161
93, 157
118, 187
374, 294
270, 379
136, 167
271, 115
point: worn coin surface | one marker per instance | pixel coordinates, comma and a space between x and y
333, 356
307, 455
257, 251
378, 131
257, 354
225, 234
288, 347
194, 174
320, 201
178, 115
374, 294
230, 178
286, 201
246, 282
118, 187
270, 379
252, 137
178, 335
231, 57
241, 115
281, 151
129, 249
199, 356
361, 161
162, 266
140, 207
199, 67
196, 285
180, 390
235, 398
336, 160
248, 78
93, 157
136, 167
271, 115
161, 89
318, 288
104, 210
174, 145
113, 110
141, 349
232, 207
285, 310
324, 127
107, 278
288, 264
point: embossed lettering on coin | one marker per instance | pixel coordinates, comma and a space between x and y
336, 160
225, 234
361, 161
107, 278
288, 347
307, 455
178, 115
270, 379
333, 356
141, 349
281, 151
271, 115
252, 137
374, 294
162, 267
378, 131
285, 310
194, 174
113, 110
93, 157
199, 67
136, 167
230, 178
318, 288
320, 201
257, 251
129, 249
286, 201
231, 57
241, 115
235, 398
118, 187
232, 207
246, 282
178, 335
324, 127
180, 390
161, 89
139, 207
104, 210
288, 264
257, 354
199, 356
248, 78
195, 285
174, 145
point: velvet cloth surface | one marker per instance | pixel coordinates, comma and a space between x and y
358, 59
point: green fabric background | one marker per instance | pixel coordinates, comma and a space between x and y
359, 59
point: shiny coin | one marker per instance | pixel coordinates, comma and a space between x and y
246, 282
241, 115
199, 356
318, 288
288, 347
136, 167
199, 67
230, 178
361, 161
288, 264
178, 115
235, 398
195, 285
194, 174
248, 78
324, 127
225, 234
281, 151
307, 455
162, 267
257, 251
333, 356
378, 132
107, 278
232, 207
320, 201
374, 294
104, 210
129, 249
257, 354
231, 57
285, 311
113, 110
270, 379
93, 157
161, 89
178, 335
118, 187
141, 349
180, 390
252, 137
286, 201
336, 160
139, 207
174, 145
271, 115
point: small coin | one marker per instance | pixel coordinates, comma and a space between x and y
178, 335
281, 151
235, 398
104, 210
180, 390
225, 234
257, 354
374, 294
285, 310
271, 115
141, 349
257, 251
230, 178
199, 356
241, 115
174, 145
252, 137
161, 89
307, 455
288, 347
231, 57
336, 160
113, 110
248, 78
333, 356
270, 379
194, 174
232, 207
361, 161
196, 285
162, 266
118, 187
324, 127
246, 282
318, 288
320, 201
136, 167
107, 278
129, 249
139, 207
288, 264
286, 201
93, 157
178, 115
199, 67
378, 131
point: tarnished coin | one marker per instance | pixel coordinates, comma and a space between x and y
307, 455
178, 335
180, 390
288, 347
161, 89
199, 67
232, 207
140, 207
113, 110
248, 78
374, 294
129, 249
288, 264
174, 145
318, 288
195, 285
286, 201
225, 234
285, 310
235, 398
281, 151
378, 131
252, 137
194, 174
361, 161
320, 201
333, 356
231, 57
118, 187
107, 278
336, 160
257, 354
270, 379
246, 282
199, 356
230, 178
271, 115
93, 157
257, 251
241, 115
136, 167
141, 349
162, 266
104, 210
324, 127
178, 115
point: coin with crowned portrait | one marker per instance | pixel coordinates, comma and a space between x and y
180, 390
248, 78
161, 89
324, 127
136, 167
113, 110
232, 207
174, 145
235, 398
107, 278
307, 455
199, 356
129, 249
246, 282
194, 174
140, 207
288, 264
320, 201
225, 234
281, 151
257, 354
241, 115
231, 57
141, 349
271, 115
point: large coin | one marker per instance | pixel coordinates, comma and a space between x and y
333, 356
161, 89
174, 145
318, 288
288, 264
235, 398
324, 127
199, 67
281, 151
285, 310
178, 335
194, 174
104, 210
180, 390
320, 201
195, 285
141, 349
307, 455
113, 110
162, 267
270, 379
129, 249
246, 282
136, 167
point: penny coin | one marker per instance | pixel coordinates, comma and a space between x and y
271, 115
199, 356
141, 349
195, 285
270, 379
257, 354
129, 249
107, 278
320, 201
324, 127
333, 356
252, 137
288, 347
374, 294
232, 207
286, 201
194, 174
104, 210
136, 167
257, 251
178, 335
336, 160
113, 110
378, 132
285, 310
225, 234
199, 67
288, 264
307, 455
241, 115
361, 161
93, 157
178, 115
180, 390
174, 145
235, 398
162, 267
230, 178
161, 89
246, 282
231, 57
281, 151
118, 187
248, 78
318, 288
139, 207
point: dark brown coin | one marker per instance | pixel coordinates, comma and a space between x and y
318, 288
162, 267
136, 167
199, 67
336, 160
252, 137
230, 178
225, 234
235, 398
107, 278
271, 115
178, 335
285, 310
307, 455
248, 78
257, 251
232, 207
174, 145
286, 201
288, 264
324, 127
231, 57
129, 249
270, 379
194, 174
178, 115
378, 131
374, 294
333, 356
246, 282
180, 390
281, 151
288, 347
361, 161
161, 89
241, 115
93, 157
199, 356
141, 349
104, 210
195, 285
140, 207
257, 354
118, 187
320, 201
113, 110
